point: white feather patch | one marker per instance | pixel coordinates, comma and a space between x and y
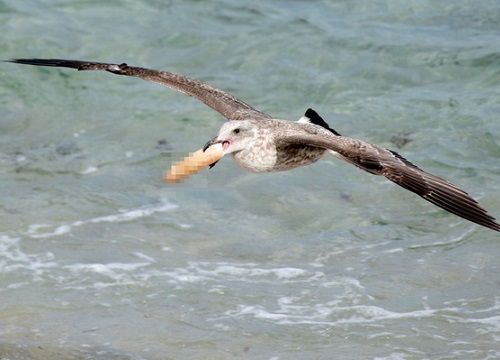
304, 120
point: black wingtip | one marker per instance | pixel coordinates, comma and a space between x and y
440, 193
314, 118
72, 64
37, 62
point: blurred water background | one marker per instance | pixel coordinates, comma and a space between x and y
99, 259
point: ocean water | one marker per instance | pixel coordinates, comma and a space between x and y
99, 259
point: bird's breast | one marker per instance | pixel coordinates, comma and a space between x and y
269, 158
256, 159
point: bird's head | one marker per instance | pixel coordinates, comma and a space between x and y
234, 136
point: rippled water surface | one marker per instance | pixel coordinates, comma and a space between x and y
99, 259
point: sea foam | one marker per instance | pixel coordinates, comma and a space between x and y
40, 231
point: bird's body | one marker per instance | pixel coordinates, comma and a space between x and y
266, 152
259, 143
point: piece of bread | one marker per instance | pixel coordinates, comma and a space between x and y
193, 163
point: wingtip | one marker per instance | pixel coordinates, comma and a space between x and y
313, 117
495, 226
26, 61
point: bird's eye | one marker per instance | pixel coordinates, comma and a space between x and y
236, 131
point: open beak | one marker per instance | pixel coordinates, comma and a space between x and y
210, 143
226, 144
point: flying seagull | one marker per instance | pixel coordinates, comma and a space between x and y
259, 143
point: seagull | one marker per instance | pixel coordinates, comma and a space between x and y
260, 143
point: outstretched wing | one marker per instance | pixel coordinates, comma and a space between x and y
229, 106
380, 161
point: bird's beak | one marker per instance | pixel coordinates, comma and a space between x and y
210, 143
226, 144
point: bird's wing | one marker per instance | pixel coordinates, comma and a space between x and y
380, 161
229, 106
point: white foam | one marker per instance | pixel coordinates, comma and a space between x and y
14, 260
89, 170
144, 256
201, 272
280, 273
105, 269
40, 231
260, 312
105, 275
290, 313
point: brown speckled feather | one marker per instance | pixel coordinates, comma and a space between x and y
229, 106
